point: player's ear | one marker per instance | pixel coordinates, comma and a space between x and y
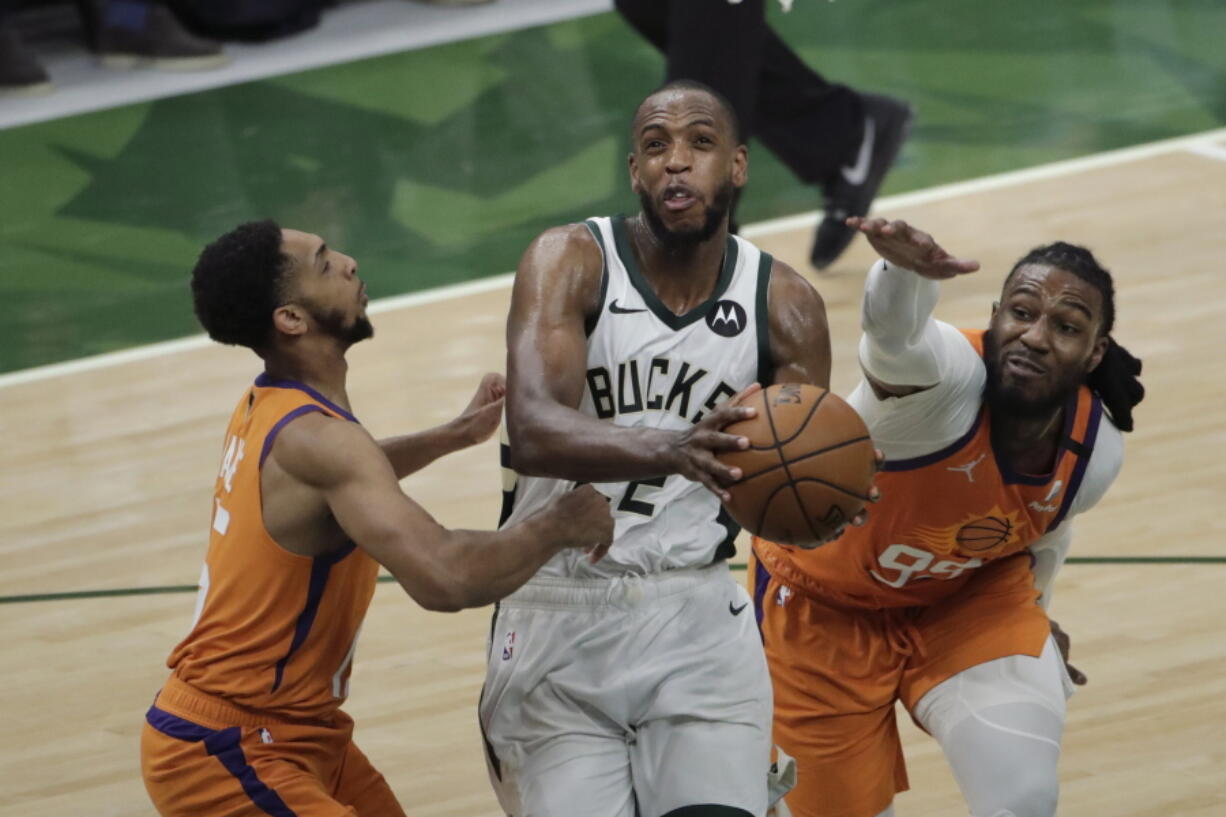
633, 166
740, 166
289, 319
1100, 349
995, 308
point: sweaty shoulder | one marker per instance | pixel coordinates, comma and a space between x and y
320, 450
566, 257
799, 333
791, 293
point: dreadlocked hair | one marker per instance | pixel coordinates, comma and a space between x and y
1116, 378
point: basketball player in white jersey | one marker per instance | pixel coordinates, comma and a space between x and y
636, 685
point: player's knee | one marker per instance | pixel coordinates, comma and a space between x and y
708, 810
1031, 794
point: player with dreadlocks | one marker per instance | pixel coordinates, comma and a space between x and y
993, 440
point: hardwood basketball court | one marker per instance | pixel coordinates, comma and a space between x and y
109, 469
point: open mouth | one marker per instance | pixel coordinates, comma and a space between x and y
679, 197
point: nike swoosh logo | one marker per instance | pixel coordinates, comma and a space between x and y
857, 173
620, 310
736, 611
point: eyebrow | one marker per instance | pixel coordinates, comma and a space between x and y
1026, 288
702, 120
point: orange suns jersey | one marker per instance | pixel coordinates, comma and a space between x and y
942, 516
273, 631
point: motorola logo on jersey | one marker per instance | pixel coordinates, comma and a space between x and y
727, 318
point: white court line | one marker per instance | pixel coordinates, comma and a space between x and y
1195, 142
354, 31
1211, 150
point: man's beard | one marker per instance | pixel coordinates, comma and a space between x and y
332, 323
1010, 401
682, 241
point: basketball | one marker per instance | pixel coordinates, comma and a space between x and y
808, 468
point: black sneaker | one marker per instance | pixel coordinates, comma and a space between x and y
21, 74
151, 35
851, 190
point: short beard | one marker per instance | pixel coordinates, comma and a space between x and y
1005, 401
684, 241
332, 324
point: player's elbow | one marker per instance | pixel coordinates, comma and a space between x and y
529, 447
438, 597
528, 458
433, 588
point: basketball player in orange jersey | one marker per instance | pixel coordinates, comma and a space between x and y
993, 441
637, 686
306, 507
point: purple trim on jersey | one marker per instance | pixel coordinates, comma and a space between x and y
760, 580
276, 429
225, 747
265, 381
175, 727
936, 456
223, 744
1012, 477
1083, 462
321, 567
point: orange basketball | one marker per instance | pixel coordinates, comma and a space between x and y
808, 468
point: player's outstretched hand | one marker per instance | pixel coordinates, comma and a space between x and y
905, 246
1062, 641
693, 451
583, 520
480, 419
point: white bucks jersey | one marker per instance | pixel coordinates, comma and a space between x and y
647, 366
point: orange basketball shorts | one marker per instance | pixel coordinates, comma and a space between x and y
838, 671
196, 765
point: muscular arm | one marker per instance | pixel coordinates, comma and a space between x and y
556, 288
441, 569
799, 334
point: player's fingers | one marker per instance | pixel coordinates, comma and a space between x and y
712, 472
743, 394
708, 440
726, 414
874, 494
711, 484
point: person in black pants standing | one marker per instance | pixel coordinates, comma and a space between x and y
827, 134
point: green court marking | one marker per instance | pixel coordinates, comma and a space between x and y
191, 588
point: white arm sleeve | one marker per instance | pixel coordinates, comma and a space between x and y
901, 345
1049, 553
1051, 548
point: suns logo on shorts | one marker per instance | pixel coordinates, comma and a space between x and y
978, 533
